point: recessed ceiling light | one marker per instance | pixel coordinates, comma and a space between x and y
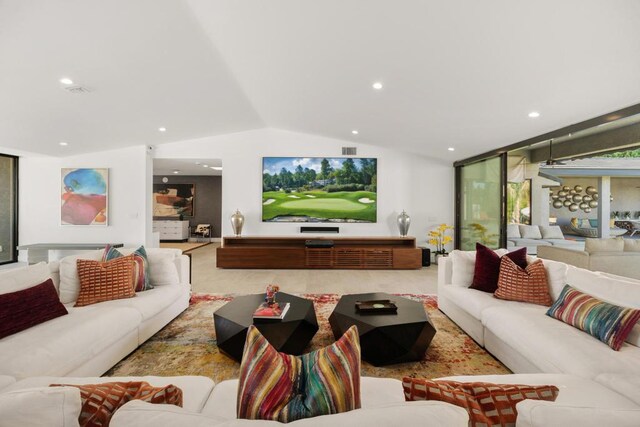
205, 166
176, 171
66, 81
64, 144
377, 85
451, 149
218, 168
162, 129
355, 132
534, 114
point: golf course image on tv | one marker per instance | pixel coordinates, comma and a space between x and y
319, 189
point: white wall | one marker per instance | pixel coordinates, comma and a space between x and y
129, 196
421, 186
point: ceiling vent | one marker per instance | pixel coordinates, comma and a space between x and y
76, 89
349, 151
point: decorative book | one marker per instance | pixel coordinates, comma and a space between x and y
376, 306
271, 311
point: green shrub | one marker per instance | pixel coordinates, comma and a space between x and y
372, 188
334, 188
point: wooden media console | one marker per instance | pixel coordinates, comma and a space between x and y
346, 253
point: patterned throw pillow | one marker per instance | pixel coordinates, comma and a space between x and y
607, 322
487, 404
142, 275
487, 268
527, 285
100, 401
280, 387
23, 309
105, 281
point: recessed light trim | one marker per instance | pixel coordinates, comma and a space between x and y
218, 168
534, 114
355, 132
162, 129
176, 171
66, 81
451, 149
377, 85
205, 166
64, 144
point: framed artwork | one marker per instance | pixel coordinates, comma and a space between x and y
84, 196
173, 200
319, 189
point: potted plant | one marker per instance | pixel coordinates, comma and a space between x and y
440, 239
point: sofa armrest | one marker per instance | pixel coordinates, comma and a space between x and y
568, 256
183, 263
445, 271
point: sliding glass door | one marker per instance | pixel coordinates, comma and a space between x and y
8, 208
480, 204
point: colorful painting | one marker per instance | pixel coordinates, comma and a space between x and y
84, 196
319, 189
173, 200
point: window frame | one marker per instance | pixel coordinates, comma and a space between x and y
14, 249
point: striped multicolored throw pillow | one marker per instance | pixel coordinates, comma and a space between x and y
285, 388
607, 322
141, 279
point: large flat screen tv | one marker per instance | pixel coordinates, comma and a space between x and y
319, 189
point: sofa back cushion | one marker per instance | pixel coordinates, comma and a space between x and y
487, 267
23, 309
551, 232
42, 406
607, 322
556, 275
523, 284
530, 232
17, 279
105, 281
604, 245
463, 264
631, 245
69, 280
513, 231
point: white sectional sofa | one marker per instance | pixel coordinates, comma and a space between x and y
532, 236
90, 340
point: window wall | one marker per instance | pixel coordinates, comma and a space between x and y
8, 209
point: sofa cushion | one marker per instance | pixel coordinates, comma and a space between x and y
608, 322
142, 279
487, 267
513, 231
530, 232
17, 279
631, 245
36, 407
100, 401
29, 307
62, 344
151, 302
556, 347
615, 244
486, 403
6, 381
556, 275
162, 269
535, 413
105, 281
69, 280
626, 384
280, 387
475, 302
523, 284
551, 232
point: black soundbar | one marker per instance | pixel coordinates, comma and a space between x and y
318, 243
320, 230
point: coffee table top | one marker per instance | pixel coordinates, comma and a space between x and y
241, 309
409, 311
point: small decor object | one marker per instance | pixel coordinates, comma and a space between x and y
439, 239
280, 387
571, 198
174, 200
383, 306
404, 221
270, 308
237, 221
84, 196
272, 291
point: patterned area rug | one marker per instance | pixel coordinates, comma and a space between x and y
187, 346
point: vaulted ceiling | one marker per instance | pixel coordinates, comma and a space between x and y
461, 73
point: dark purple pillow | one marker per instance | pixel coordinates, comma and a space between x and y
487, 269
23, 309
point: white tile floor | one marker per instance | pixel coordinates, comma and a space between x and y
206, 278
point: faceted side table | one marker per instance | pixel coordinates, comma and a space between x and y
290, 335
385, 338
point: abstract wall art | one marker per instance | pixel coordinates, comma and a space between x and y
173, 200
84, 196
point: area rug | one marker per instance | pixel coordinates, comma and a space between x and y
187, 346
184, 246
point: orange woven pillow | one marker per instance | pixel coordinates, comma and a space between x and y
105, 281
487, 404
527, 285
100, 401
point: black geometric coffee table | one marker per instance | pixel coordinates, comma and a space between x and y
385, 338
289, 335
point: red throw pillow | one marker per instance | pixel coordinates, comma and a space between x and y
487, 404
23, 309
487, 269
523, 284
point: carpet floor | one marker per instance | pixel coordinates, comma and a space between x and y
187, 346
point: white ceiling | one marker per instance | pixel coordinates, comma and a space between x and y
186, 167
459, 73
